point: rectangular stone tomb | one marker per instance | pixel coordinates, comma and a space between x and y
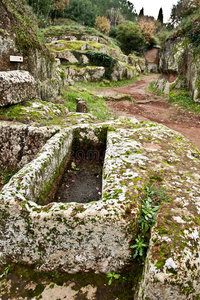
96, 223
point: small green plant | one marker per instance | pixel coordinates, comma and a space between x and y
150, 205
152, 88
96, 105
112, 276
74, 167
8, 269
6, 175
139, 247
184, 100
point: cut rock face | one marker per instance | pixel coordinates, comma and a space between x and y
20, 143
96, 236
16, 87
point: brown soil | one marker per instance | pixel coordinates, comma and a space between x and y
148, 107
81, 182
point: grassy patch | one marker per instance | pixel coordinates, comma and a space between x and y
5, 175
184, 100
152, 89
26, 112
106, 83
96, 105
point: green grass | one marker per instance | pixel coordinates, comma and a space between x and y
152, 89
6, 175
96, 105
184, 100
106, 84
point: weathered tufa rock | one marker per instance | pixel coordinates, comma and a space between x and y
179, 65
81, 106
95, 73
152, 59
94, 39
66, 56
84, 59
19, 144
16, 86
96, 236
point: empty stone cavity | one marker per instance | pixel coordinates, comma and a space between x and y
82, 179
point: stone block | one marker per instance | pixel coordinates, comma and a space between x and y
16, 87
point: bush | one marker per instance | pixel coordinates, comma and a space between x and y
190, 27
102, 24
147, 28
130, 38
113, 31
81, 11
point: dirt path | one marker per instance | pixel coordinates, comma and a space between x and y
148, 107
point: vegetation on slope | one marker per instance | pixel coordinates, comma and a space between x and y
22, 24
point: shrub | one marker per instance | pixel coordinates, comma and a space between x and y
113, 32
130, 38
147, 28
102, 24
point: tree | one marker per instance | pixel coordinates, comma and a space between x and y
82, 11
182, 9
102, 24
115, 16
125, 7
160, 15
130, 37
141, 13
60, 5
42, 7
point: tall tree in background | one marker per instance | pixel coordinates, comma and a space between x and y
160, 15
182, 9
141, 13
125, 7
115, 16
42, 7
82, 11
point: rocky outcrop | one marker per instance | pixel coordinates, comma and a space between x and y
123, 68
180, 67
74, 73
16, 87
121, 71
36, 58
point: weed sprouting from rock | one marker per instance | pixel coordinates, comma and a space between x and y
150, 205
